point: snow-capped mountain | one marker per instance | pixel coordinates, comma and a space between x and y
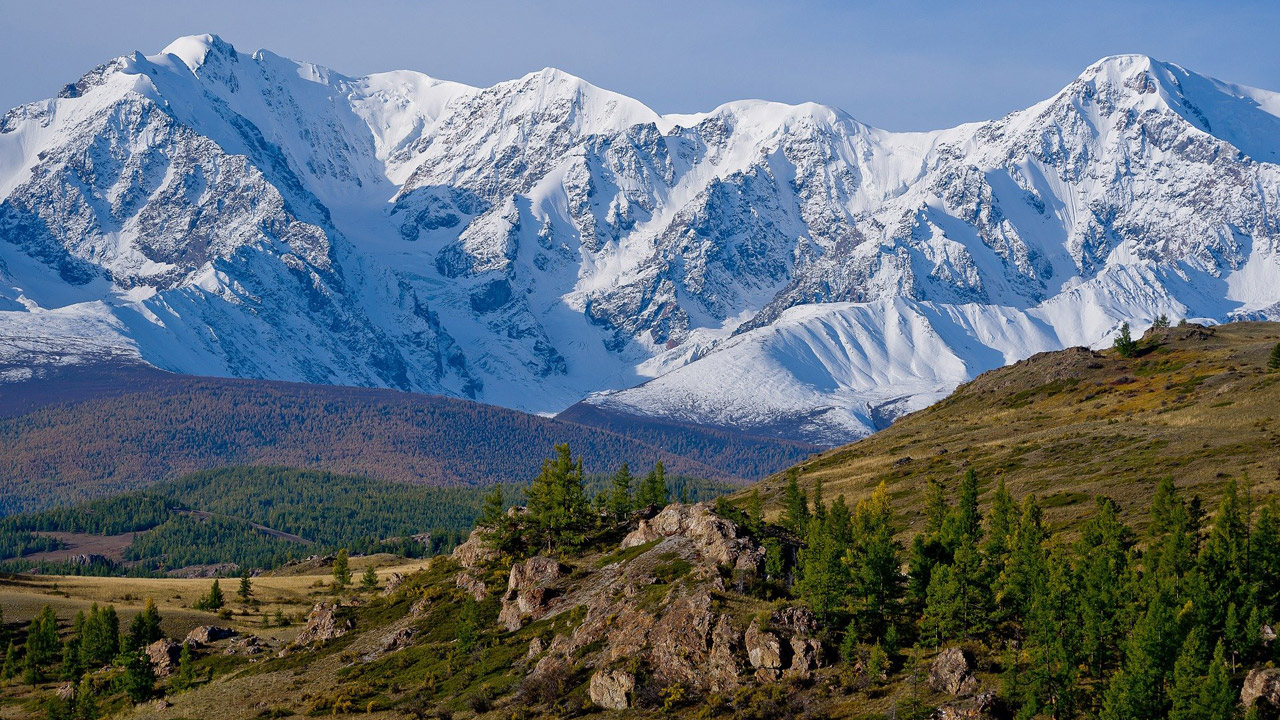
773, 268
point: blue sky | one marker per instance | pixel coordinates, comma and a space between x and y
908, 65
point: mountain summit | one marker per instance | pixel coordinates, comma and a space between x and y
779, 269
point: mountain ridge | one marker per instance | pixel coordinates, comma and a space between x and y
220, 213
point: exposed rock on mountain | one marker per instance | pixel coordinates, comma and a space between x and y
782, 269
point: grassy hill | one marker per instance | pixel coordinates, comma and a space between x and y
88, 432
1197, 404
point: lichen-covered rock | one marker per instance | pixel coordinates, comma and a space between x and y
528, 590
764, 652
207, 634
164, 656
1261, 683
323, 625
787, 646
715, 537
952, 673
471, 584
476, 551
611, 689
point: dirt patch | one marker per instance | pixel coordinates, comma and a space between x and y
111, 547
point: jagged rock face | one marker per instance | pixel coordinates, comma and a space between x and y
612, 689
323, 624
1261, 684
529, 590
223, 213
787, 647
715, 537
164, 655
473, 585
476, 551
952, 673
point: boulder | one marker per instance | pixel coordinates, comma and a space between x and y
245, 645
788, 646
952, 673
207, 634
164, 656
806, 656
977, 708
528, 590
323, 625
716, 538
476, 550
397, 640
612, 689
1261, 683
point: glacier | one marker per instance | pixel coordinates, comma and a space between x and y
775, 269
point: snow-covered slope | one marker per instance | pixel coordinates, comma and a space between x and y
783, 269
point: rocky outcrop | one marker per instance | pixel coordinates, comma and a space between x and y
208, 634
529, 590
715, 537
164, 656
1261, 684
394, 581
785, 645
612, 689
952, 673
976, 708
476, 551
692, 645
323, 624
471, 584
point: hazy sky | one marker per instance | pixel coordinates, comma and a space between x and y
906, 65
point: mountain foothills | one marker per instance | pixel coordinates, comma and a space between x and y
80, 432
783, 270
1102, 542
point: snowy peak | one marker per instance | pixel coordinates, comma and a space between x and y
779, 268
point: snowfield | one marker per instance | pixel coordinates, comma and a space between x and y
773, 268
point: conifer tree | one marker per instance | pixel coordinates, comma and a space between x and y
341, 569
1102, 566
620, 499
796, 505
1189, 673
1273, 362
1125, 345
1001, 523
1052, 642
186, 676
1264, 556
12, 663
935, 507
653, 490
964, 522
492, 511
246, 587
214, 600
86, 701
1217, 698
139, 681
557, 501
1025, 571
145, 628
100, 639
755, 511
1137, 689
872, 557
42, 646
369, 580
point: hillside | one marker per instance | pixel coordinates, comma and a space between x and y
82, 432
1197, 404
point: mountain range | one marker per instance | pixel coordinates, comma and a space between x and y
545, 244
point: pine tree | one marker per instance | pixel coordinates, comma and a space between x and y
245, 592
492, 511
86, 701
214, 600
468, 626
1189, 672
935, 507
654, 491
1217, 698
796, 505
1102, 566
1052, 644
557, 502
1001, 523
186, 676
42, 645
620, 499
824, 577
139, 681
755, 511
12, 663
872, 558
1137, 690
100, 638
964, 522
342, 569
369, 581
1273, 362
145, 628
1025, 571
1125, 345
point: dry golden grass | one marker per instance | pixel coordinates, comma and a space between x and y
1197, 405
293, 593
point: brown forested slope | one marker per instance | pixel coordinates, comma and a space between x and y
1197, 404
88, 432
